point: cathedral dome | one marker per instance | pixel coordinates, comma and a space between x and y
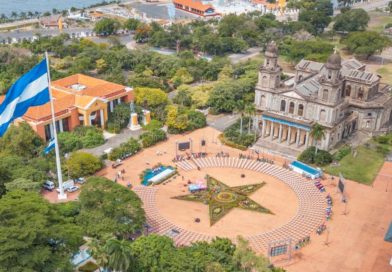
334, 61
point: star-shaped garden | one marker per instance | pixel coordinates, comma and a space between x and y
221, 198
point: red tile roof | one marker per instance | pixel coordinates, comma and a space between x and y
194, 4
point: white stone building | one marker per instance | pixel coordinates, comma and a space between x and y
341, 96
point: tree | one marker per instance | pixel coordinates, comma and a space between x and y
389, 8
108, 208
34, 236
183, 98
352, 20
106, 26
23, 184
120, 254
250, 110
131, 24
101, 65
21, 140
98, 252
317, 13
317, 133
176, 121
366, 43
82, 164
247, 260
182, 76
69, 142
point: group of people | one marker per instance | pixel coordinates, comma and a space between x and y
119, 175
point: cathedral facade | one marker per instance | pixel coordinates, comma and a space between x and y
341, 96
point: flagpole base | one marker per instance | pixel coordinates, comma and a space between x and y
61, 196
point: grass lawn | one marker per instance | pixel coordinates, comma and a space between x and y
386, 73
363, 168
378, 20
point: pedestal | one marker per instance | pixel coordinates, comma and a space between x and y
134, 124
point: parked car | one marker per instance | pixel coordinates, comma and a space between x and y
48, 185
72, 189
80, 180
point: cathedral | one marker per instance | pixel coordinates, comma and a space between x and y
339, 95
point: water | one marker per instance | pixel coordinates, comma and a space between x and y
8, 6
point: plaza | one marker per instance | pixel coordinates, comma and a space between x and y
298, 206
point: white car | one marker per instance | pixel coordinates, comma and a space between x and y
72, 189
80, 180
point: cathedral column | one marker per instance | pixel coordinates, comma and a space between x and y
298, 136
280, 133
289, 136
272, 131
263, 129
307, 139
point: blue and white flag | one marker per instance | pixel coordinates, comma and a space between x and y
51, 145
31, 89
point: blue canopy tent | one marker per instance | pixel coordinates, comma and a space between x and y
388, 235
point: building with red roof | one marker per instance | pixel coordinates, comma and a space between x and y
195, 7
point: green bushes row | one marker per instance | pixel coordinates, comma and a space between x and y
152, 137
125, 149
342, 152
227, 142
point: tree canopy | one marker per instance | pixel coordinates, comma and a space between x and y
34, 236
81, 164
352, 20
109, 208
106, 26
366, 43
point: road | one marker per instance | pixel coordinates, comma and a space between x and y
369, 5
222, 121
249, 54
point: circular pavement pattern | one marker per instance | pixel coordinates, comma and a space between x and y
310, 214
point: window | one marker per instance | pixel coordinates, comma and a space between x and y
325, 95
301, 110
300, 78
322, 116
348, 90
264, 82
65, 124
262, 101
291, 107
360, 93
329, 74
283, 105
48, 132
277, 80
369, 114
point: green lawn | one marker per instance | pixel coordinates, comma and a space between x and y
363, 168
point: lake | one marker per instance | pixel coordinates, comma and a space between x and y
8, 6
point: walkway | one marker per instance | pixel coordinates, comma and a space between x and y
114, 141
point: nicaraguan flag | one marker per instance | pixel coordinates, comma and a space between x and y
51, 145
31, 89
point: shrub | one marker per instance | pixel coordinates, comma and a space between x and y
81, 137
119, 118
154, 124
82, 164
93, 139
309, 156
125, 149
234, 135
342, 152
69, 142
382, 139
196, 120
152, 137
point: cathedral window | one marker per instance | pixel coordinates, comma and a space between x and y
348, 90
360, 93
325, 95
291, 107
322, 116
264, 82
283, 105
301, 110
262, 101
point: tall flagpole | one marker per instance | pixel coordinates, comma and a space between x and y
56, 146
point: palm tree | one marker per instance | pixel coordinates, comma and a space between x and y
14, 14
250, 110
98, 252
120, 254
317, 133
239, 108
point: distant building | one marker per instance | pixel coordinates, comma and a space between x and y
78, 100
95, 15
53, 21
339, 95
195, 7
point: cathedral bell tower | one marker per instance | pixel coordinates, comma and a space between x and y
331, 80
269, 73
